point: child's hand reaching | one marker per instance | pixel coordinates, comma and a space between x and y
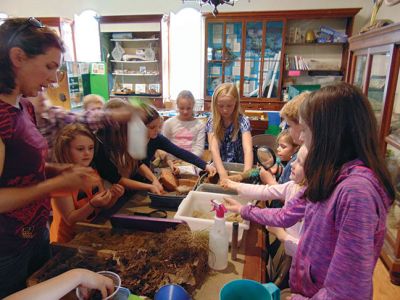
267, 177
279, 232
211, 170
117, 191
229, 184
101, 199
160, 189
155, 189
232, 205
174, 169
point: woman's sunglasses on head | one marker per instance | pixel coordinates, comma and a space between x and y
29, 22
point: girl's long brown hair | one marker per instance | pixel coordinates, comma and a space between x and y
115, 139
225, 89
343, 128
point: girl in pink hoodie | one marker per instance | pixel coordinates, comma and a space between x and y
345, 203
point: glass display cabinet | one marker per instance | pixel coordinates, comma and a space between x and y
246, 53
374, 62
253, 50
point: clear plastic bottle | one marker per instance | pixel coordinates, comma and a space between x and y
219, 239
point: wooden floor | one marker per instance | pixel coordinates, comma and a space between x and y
383, 288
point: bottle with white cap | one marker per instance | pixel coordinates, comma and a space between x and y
219, 239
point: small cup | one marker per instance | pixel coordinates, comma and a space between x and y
172, 292
117, 284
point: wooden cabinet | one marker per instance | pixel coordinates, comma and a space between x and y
374, 63
254, 49
131, 45
60, 95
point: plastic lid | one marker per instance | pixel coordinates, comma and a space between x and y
219, 208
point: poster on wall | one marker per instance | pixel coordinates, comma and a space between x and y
98, 68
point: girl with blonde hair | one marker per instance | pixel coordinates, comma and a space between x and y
228, 130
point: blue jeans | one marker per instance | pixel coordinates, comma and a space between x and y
16, 268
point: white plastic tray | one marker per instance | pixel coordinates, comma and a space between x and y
200, 201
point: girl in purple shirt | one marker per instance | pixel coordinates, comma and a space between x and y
346, 200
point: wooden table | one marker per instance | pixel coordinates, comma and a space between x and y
250, 262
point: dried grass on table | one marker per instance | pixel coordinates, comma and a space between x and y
145, 260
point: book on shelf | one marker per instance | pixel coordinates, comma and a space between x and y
296, 62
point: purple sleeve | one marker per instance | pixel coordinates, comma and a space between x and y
284, 217
357, 221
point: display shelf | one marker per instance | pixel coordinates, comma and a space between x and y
135, 40
374, 64
257, 43
134, 45
134, 61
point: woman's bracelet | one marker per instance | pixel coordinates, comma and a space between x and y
91, 204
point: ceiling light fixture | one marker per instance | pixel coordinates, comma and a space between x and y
214, 3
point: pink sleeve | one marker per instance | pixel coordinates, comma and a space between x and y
263, 192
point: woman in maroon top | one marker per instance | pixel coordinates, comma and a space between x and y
30, 55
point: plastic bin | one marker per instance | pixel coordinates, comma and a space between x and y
200, 201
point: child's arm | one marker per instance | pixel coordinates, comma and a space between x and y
267, 177
131, 184
278, 217
214, 148
171, 148
59, 286
145, 171
259, 192
71, 215
247, 150
117, 191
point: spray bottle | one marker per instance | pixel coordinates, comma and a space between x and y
219, 239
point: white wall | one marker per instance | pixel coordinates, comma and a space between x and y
49, 8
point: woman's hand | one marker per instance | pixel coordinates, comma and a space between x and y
229, 184
76, 178
232, 205
211, 170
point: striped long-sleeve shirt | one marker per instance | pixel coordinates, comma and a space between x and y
55, 118
342, 236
